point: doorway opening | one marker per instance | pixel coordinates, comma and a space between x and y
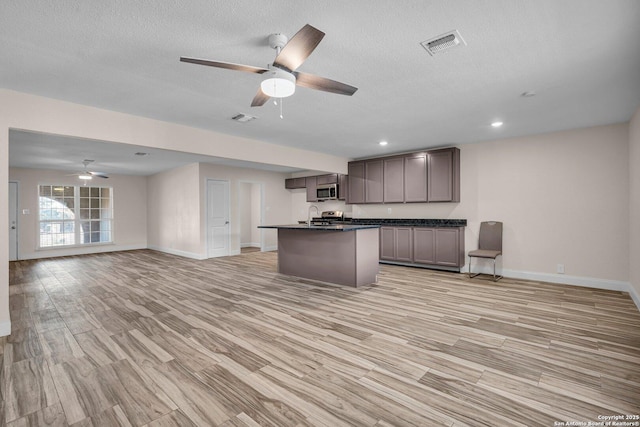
250, 203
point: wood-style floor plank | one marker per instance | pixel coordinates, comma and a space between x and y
142, 338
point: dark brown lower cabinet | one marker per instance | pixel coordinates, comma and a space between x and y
396, 244
423, 246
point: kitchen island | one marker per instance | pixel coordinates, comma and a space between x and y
344, 254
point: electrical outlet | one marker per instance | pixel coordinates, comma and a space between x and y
389, 211
560, 269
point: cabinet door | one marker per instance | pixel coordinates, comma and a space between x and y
404, 244
424, 249
331, 178
374, 174
356, 183
312, 196
388, 243
443, 181
448, 247
343, 186
415, 178
292, 183
393, 172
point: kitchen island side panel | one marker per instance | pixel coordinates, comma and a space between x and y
367, 256
346, 258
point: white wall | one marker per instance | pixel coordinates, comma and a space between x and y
634, 204
256, 213
173, 201
245, 208
129, 212
249, 195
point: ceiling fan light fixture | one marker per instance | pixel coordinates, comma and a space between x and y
278, 83
85, 176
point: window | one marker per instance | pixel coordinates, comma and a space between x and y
75, 215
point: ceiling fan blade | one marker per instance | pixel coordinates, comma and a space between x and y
227, 65
299, 47
99, 174
259, 99
321, 83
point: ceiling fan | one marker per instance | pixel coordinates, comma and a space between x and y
281, 77
86, 174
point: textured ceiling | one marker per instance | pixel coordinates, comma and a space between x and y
581, 57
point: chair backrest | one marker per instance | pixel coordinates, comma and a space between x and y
490, 236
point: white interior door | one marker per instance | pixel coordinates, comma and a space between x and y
217, 218
13, 221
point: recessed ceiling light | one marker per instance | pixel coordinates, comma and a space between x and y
383, 143
496, 124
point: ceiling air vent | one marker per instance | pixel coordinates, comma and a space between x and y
443, 42
243, 118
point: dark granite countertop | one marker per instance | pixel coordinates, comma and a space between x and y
334, 227
411, 222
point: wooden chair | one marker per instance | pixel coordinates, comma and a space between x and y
489, 245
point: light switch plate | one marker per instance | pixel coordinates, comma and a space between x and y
25, 212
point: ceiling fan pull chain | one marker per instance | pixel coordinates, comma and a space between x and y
281, 116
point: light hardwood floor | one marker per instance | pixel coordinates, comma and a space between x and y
144, 338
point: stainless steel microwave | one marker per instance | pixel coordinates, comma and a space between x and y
327, 192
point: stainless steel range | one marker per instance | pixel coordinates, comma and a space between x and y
328, 218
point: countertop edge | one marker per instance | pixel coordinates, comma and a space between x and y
349, 227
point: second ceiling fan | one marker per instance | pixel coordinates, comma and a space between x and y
281, 77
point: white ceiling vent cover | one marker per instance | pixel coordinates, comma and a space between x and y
443, 42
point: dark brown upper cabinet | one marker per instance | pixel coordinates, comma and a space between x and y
374, 181
331, 178
415, 178
312, 184
393, 180
428, 176
443, 180
356, 183
293, 183
343, 186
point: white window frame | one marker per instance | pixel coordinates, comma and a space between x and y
104, 214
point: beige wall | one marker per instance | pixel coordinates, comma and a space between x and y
563, 198
634, 199
173, 201
129, 212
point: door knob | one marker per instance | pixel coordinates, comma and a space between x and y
226, 222
13, 227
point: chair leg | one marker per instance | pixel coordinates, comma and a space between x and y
495, 279
471, 276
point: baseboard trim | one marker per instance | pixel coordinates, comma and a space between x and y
563, 279
250, 245
270, 248
5, 328
177, 252
53, 253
